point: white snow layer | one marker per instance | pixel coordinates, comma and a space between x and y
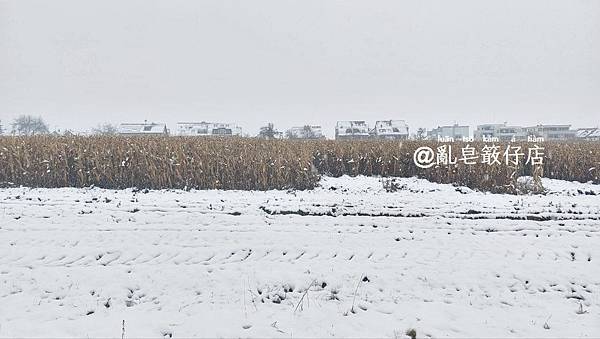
347, 259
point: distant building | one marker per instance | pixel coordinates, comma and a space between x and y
455, 131
501, 132
305, 132
390, 129
208, 129
139, 129
351, 130
590, 134
551, 132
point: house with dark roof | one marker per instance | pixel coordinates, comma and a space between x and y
352, 130
390, 129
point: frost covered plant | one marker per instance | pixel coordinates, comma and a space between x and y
529, 185
538, 172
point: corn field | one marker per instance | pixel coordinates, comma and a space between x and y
253, 164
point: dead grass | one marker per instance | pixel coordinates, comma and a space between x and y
252, 164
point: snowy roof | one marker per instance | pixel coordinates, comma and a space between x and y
208, 128
205, 123
391, 127
490, 126
352, 127
351, 123
542, 127
142, 128
452, 126
588, 133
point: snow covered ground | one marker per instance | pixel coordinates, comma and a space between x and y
347, 259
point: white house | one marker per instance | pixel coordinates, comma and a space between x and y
502, 132
208, 129
352, 130
140, 129
552, 132
390, 129
455, 131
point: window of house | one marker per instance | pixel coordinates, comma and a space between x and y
221, 131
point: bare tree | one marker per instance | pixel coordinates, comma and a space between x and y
29, 125
421, 134
1, 128
308, 132
105, 129
268, 132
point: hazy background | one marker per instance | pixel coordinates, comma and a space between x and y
79, 63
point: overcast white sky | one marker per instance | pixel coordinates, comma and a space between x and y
79, 63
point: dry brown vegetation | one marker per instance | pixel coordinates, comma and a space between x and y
574, 161
154, 162
238, 163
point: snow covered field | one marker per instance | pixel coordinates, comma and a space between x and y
346, 259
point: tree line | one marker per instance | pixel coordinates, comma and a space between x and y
29, 125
